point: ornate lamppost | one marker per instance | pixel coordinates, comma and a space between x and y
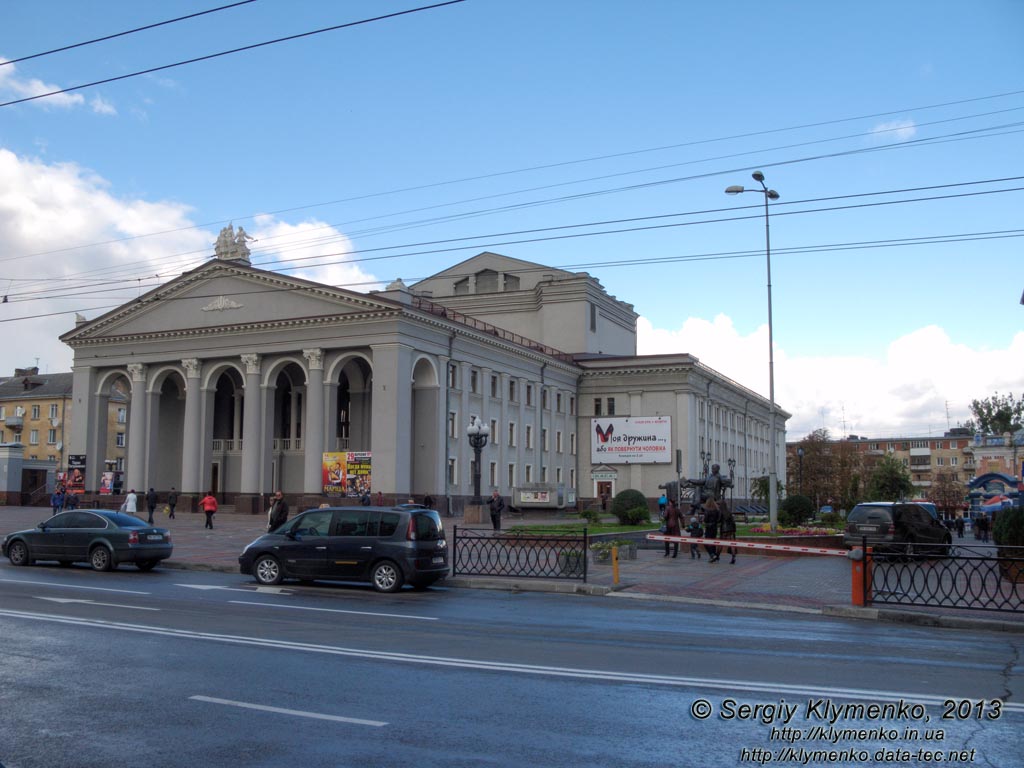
477, 432
732, 484
773, 496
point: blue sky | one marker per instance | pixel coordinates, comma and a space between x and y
475, 121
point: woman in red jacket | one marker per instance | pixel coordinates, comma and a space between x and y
209, 506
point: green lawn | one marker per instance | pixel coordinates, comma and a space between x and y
554, 529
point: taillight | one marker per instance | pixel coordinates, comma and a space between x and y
133, 537
892, 530
168, 537
410, 532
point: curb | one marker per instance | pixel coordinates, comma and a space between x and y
922, 619
510, 585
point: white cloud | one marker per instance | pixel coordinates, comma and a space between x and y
896, 130
21, 88
101, 106
905, 390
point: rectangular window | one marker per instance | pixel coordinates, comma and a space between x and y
452, 420
543, 474
597, 406
572, 443
512, 391
544, 439
494, 387
558, 441
51, 437
544, 398
529, 473
122, 415
511, 435
119, 440
611, 406
120, 464
492, 474
529, 436
940, 461
494, 431
529, 395
35, 411
3, 412
474, 377
558, 402
593, 317
453, 475
453, 376
953, 461
558, 475
53, 410
572, 405
511, 475
33, 437
572, 478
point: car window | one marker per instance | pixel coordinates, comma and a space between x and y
350, 522
428, 526
316, 523
389, 523
63, 520
87, 520
372, 523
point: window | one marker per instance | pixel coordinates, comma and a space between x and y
51, 437
558, 441
122, 415
597, 406
35, 411
511, 435
572, 443
572, 406
53, 410
558, 475
512, 391
593, 317
474, 377
453, 376
494, 431
543, 474
572, 478
611, 406
3, 412
544, 439
529, 473
919, 444
492, 474
558, 402
529, 436
511, 475
940, 461
33, 437
494, 386
953, 461
544, 399
119, 440
452, 419
453, 476
529, 394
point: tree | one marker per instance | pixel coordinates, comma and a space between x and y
998, 414
889, 480
759, 488
947, 492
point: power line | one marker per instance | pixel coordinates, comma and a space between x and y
122, 34
233, 50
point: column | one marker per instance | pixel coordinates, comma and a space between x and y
89, 424
192, 445
392, 415
251, 426
135, 473
312, 431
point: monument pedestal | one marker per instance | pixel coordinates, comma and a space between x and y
475, 514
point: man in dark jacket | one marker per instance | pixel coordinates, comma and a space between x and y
497, 506
711, 521
151, 501
278, 512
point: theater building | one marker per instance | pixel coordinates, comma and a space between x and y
241, 379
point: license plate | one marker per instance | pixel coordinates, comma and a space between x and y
154, 537
438, 560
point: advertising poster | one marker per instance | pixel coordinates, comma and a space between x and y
640, 440
347, 473
106, 483
76, 474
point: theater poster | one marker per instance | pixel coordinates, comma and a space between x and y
347, 473
75, 482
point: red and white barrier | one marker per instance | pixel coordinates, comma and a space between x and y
747, 545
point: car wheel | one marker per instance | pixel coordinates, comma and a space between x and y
267, 570
146, 565
100, 559
387, 577
18, 554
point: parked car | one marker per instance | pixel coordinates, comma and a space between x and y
387, 546
897, 527
102, 538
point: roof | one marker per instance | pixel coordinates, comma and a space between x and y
39, 386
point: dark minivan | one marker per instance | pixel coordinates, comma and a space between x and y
897, 527
387, 546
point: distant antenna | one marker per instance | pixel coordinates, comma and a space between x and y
948, 427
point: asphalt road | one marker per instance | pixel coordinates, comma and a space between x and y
175, 668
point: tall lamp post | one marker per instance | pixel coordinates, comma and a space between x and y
732, 484
800, 456
773, 473
478, 432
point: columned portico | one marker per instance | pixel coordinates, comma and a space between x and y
312, 425
252, 426
392, 415
135, 472
193, 449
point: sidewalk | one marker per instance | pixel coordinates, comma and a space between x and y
809, 584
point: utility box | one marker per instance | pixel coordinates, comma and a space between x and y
539, 496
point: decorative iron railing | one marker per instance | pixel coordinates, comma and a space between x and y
971, 579
486, 553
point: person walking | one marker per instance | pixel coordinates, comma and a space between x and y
497, 506
662, 505
711, 521
57, 499
672, 527
209, 506
151, 501
428, 501
696, 531
172, 502
728, 525
131, 502
960, 527
70, 500
278, 512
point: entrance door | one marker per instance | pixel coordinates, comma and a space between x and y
215, 478
604, 491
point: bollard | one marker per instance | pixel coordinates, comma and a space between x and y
860, 575
615, 565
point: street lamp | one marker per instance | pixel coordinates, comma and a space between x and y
705, 458
800, 456
732, 483
478, 432
773, 495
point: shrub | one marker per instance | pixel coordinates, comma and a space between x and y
795, 510
832, 520
1008, 529
630, 507
592, 516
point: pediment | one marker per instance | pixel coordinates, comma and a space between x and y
219, 295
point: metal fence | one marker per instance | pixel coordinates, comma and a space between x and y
486, 553
960, 579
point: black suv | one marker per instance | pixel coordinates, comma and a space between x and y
897, 527
387, 546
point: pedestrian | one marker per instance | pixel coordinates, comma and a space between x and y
728, 526
278, 513
711, 521
172, 502
57, 499
365, 499
960, 527
497, 506
604, 501
151, 502
672, 528
662, 505
696, 531
380, 499
70, 500
209, 506
131, 503
983, 528
428, 501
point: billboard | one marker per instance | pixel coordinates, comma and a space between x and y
75, 482
629, 440
347, 473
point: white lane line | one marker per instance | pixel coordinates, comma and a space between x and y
335, 610
93, 602
722, 684
295, 712
72, 586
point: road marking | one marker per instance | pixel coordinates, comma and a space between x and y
93, 602
336, 610
295, 712
725, 685
72, 586
260, 589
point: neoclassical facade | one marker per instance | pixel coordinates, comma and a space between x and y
240, 379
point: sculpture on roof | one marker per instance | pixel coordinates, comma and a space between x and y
231, 245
